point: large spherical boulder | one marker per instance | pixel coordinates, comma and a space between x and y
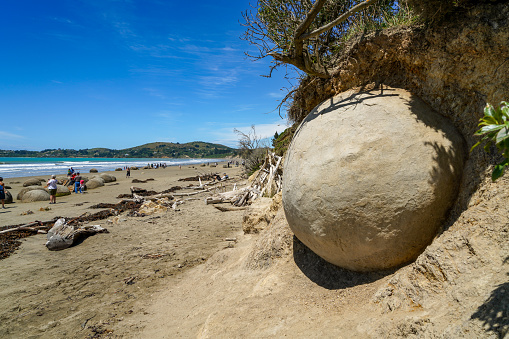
93, 170
94, 183
35, 195
369, 178
107, 177
33, 182
27, 189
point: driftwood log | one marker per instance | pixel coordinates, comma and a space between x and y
229, 209
33, 226
62, 235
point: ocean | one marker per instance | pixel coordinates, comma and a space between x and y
24, 167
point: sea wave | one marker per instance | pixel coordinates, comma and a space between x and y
15, 168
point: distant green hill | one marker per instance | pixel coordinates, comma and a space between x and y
197, 149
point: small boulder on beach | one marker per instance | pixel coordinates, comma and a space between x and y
95, 182
108, 177
27, 189
93, 170
35, 195
33, 182
8, 197
61, 190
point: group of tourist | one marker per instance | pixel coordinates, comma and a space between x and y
75, 180
231, 163
161, 164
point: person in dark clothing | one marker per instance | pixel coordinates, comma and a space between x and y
2, 191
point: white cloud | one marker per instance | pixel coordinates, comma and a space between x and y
155, 93
7, 135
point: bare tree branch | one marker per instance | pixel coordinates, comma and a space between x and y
309, 19
303, 33
339, 20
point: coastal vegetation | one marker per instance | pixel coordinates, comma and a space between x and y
309, 35
495, 130
197, 149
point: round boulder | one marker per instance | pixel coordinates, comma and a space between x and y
108, 177
35, 195
369, 178
94, 183
93, 170
27, 189
8, 197
134, 168
33, 182
61, 190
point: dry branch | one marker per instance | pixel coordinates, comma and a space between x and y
229, 209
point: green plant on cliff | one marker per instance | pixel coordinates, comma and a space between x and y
282, 142
495, 130
306, 34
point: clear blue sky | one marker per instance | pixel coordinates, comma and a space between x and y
121, 73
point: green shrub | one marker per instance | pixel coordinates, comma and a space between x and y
282, 142
496, 131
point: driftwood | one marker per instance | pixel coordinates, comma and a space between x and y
211, 200
139, 198
62, 235
229, 209
267, 182
190, 193
30, 226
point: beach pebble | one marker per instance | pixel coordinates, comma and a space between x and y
372, 192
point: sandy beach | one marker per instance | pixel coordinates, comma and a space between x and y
178, 274
85, 290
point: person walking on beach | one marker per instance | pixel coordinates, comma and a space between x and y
52, 187
2, 191
128, 172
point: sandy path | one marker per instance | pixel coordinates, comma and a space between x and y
82, 291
